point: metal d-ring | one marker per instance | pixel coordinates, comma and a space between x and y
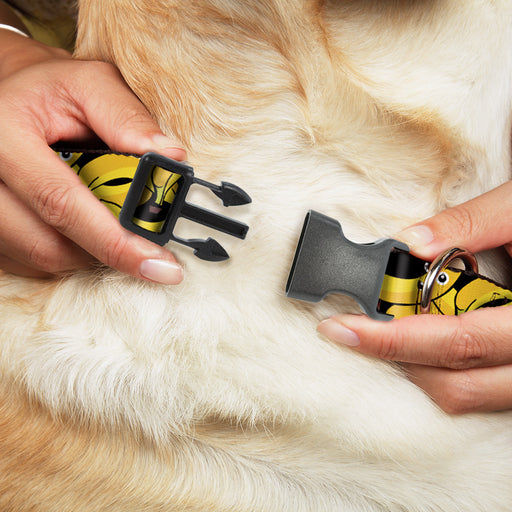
437, 267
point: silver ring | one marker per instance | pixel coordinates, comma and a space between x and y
437, 267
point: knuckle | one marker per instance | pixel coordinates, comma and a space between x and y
465, 348
461, 220
388, 347
114, 252
42, 257
460, 394
53, 204
133, 116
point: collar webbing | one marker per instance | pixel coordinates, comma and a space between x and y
383, 277
454, 291
148, 195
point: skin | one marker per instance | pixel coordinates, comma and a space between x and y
51, 223
463, 362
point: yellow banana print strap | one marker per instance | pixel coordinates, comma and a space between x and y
386, 280
108, 176
148, 195
454, 291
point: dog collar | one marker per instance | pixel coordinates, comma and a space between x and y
148, 195
386, 280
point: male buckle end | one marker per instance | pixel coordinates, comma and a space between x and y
326, 262
156, 199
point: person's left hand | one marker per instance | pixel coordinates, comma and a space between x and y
463, 362
51, 222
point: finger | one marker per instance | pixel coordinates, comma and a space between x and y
70, 99
474, 339
30, 243
116, 115
463, 391
15, 267
60, 199
19, 52
476, 225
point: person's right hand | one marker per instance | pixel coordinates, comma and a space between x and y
464, 362
50, 221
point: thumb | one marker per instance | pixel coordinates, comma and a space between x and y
476, 225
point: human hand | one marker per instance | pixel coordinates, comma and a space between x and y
50, 221
463, 362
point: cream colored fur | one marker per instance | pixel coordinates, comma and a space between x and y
217, 394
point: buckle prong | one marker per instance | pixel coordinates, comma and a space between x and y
176, 207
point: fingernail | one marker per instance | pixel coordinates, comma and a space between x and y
164, 143
161, 271
338, 333
416, 237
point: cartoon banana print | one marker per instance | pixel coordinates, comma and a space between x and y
109, 177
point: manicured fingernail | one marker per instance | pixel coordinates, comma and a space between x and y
338, 333
416, 237
168, 145
161, 271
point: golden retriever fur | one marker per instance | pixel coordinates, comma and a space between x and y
217, 394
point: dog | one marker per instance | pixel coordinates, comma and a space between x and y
218, 394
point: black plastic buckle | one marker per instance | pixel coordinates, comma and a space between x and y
152, 209
326, 262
